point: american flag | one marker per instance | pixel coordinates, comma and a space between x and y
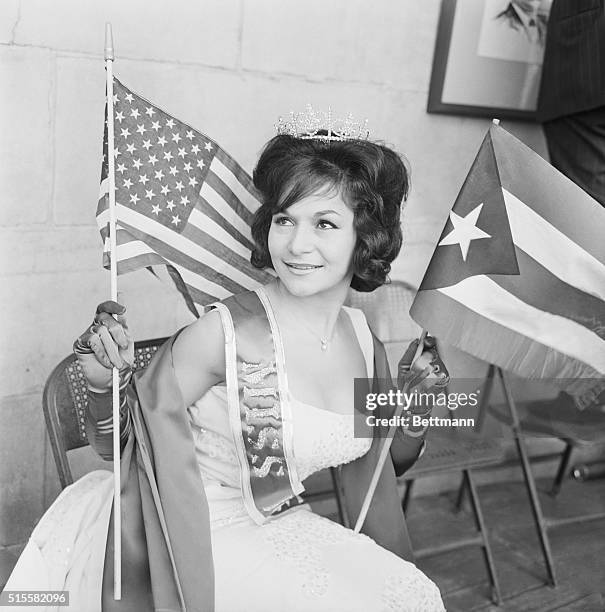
181, 201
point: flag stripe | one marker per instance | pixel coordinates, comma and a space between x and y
201, 285
204, 209
207, 225
487, 298
207, 278
103, 191
225, 192
243, 187
553, 249
485, 339
155, 234
538, 287
221, 251
550, 194
224, 187
129, 246
133, 264
218, 203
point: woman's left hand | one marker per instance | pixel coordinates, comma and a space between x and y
425, 372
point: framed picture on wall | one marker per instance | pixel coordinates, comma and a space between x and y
488, 58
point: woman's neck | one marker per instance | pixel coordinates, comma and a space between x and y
318, 312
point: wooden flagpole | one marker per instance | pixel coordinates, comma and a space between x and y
386, 446
117, 506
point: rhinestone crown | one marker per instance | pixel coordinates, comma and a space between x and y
309, 124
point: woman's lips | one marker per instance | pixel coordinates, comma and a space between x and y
301, 268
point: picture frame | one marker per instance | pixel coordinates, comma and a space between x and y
488, 58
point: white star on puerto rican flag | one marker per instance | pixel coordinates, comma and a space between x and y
465, 230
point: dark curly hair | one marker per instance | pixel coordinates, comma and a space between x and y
371, 178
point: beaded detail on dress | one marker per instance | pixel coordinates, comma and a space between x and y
322, 438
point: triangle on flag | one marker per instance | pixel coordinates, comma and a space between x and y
477, 237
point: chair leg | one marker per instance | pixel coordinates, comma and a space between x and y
480, 524
344, 519
486, 392
407, 496
530, 483
563, 468
460, 496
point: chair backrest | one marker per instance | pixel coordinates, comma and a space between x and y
64, 402
387, 311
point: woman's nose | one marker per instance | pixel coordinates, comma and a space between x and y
301, 240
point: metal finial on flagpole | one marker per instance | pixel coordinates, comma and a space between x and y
117, 505
108, 43
496, 121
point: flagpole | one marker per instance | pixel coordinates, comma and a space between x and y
115, 380
386, 446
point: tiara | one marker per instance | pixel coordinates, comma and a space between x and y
313, 125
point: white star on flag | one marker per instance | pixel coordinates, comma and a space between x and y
465, 230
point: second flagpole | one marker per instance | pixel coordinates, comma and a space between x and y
117, 506
384, 450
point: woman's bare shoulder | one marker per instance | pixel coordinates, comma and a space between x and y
198, 356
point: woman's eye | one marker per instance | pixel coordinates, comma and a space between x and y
323, 224
282, 221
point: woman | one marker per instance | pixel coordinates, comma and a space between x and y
256, 396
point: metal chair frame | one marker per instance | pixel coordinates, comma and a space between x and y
491, 454
543, 524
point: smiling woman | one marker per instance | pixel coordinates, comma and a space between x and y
239, 408
371, 179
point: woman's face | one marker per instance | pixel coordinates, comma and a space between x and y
311, 244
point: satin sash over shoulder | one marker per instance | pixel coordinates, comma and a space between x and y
259, 404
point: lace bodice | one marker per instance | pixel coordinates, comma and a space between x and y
322, 439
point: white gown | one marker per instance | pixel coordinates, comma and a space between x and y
297, 561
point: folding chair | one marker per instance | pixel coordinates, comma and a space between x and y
451, 450
556, 418
64, 402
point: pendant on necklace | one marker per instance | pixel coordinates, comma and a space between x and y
324, 344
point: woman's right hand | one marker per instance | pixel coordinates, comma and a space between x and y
105, 344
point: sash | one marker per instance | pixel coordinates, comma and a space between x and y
166, 543
259, 403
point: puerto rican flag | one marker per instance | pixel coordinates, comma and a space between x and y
518, 275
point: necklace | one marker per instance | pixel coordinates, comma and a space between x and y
324, 341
